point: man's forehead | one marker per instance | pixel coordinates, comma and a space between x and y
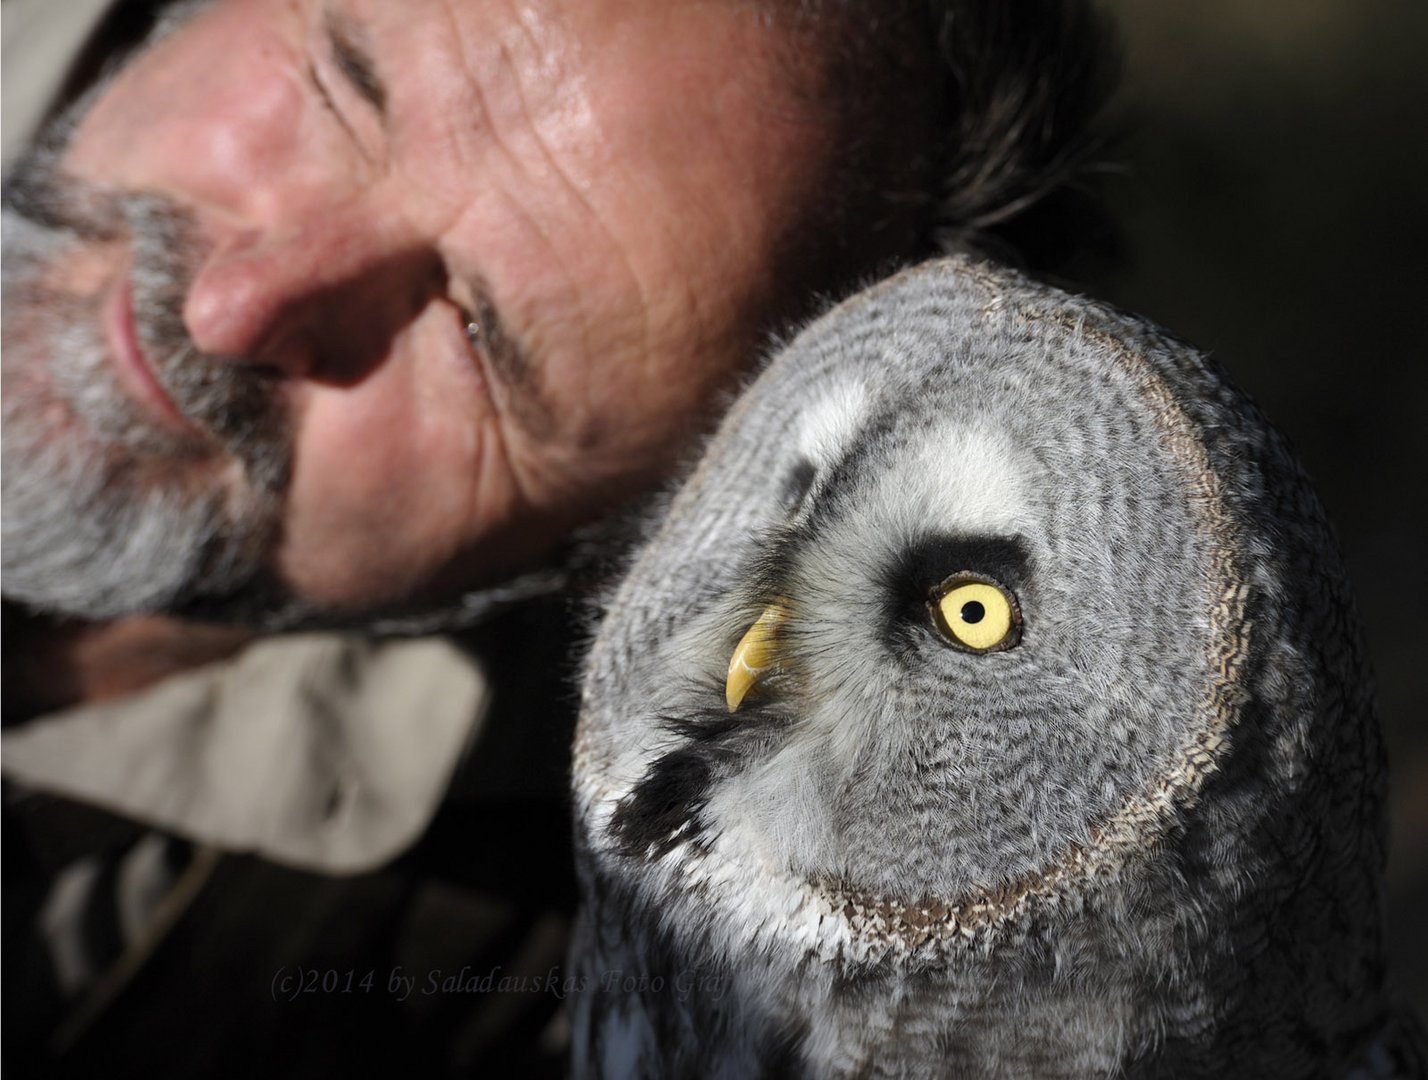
560, 47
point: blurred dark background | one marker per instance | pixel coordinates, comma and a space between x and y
1275, 213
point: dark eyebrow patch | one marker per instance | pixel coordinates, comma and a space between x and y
933, 558
354, 61
910, 576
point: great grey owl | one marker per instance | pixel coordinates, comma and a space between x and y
988, 703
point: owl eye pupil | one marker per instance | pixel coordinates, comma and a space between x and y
973, 611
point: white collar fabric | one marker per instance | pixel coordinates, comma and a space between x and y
327, 752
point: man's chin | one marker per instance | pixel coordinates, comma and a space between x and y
99, 530
125, 560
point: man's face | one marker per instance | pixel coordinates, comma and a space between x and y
382, 299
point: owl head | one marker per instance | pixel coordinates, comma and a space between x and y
996, 641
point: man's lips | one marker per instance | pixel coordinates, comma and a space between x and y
130, 362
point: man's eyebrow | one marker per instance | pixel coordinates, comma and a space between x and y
511, 366
354, 61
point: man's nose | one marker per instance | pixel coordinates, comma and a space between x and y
306, 296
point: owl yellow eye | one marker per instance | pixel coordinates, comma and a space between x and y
976, 614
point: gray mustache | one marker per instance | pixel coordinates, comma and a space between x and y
235, 401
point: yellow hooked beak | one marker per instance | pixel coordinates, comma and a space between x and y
755, 655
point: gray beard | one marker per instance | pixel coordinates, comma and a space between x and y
106, 513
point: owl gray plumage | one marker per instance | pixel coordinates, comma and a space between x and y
1047, 747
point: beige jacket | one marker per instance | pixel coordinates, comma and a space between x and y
327, 752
